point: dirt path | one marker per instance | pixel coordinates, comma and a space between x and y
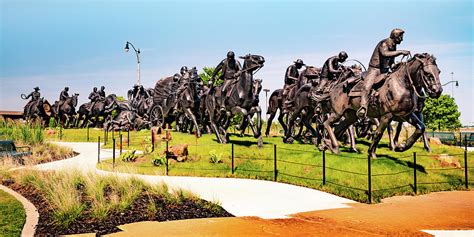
397, 216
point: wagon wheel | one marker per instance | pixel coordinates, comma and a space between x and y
157, 117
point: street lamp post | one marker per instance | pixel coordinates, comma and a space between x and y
266, 100
137, 52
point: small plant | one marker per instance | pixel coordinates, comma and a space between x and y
214, 157
128, 156
158, 159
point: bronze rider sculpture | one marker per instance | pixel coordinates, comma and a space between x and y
291, 78
230, 70
380, 63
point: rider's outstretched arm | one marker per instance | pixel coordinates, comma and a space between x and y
387, 53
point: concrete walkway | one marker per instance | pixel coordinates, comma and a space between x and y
241, 197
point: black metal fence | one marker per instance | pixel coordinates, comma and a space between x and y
278, 173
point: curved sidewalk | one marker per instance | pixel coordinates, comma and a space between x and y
241, 197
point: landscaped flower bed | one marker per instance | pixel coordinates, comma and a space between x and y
71, 202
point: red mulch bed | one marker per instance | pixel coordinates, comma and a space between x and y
186, 209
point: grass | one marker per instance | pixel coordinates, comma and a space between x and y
26, 133
12, 215
252, 162
392, 172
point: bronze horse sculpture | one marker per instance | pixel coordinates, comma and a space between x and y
39, 110
396, 97
240, 99
65, 113
100, 109
188, 100
303, 108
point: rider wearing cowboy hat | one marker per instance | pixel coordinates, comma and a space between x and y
291, 77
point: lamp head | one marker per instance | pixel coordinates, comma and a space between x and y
457, 83
126, 47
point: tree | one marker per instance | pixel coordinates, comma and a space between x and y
441, 113
207, 73
120, 98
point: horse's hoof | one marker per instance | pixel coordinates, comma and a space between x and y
354, 150
260, 142
322, 147
400, 148
335, 150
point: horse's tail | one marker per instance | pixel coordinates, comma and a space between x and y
273, 102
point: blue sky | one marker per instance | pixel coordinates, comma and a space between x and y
52, 44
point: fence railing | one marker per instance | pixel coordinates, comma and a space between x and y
278, 165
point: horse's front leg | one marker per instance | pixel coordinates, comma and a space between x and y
426, 142
420, 129
351, 131
193, 118
258, 111
327, 125
384, 121
282, 121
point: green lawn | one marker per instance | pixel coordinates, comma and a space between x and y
392, 173
12, 215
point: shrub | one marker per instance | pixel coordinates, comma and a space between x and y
214, 157
26, 133
128, 156
158, 159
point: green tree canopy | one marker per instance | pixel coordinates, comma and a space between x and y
441, 113
120, 98
207, 73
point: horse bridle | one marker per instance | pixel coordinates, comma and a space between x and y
409, 75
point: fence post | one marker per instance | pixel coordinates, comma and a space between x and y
460, 139
275, 170
466, 182
128, 137
105, 136
87, 132
369, 169
60, 132
113, 133
98, 149
153, 141
324, 167
166, 152
414, 172
113, 152
232, 158
120, 137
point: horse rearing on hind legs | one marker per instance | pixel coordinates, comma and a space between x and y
396, 97
239, 100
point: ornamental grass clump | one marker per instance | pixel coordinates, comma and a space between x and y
60, 191
25, 133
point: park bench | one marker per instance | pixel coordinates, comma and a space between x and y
8, 149
467, 137
444, 137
